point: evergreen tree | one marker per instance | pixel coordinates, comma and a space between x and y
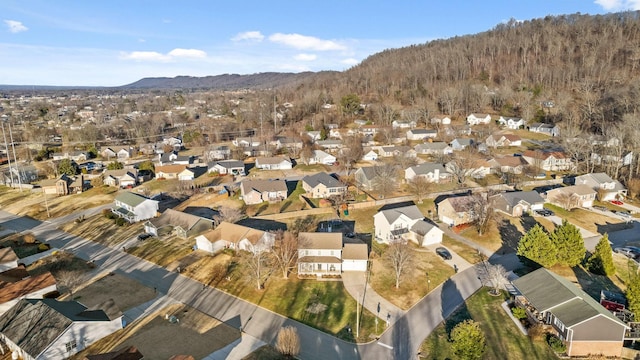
66, 166
601, 261
633, 295
468, 340
536, 246
569, 244
146, 165
115, 165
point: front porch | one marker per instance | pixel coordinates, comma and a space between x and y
319, 266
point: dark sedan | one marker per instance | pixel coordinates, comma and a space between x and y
443, 253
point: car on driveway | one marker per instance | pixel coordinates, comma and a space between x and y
627, 251
617, 202
443, 253
144, 236
544, 212
601, 208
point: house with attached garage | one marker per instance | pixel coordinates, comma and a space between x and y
370, 156
403, 124
511, 122
434, 148
477, 119
547, 129
58, 330
421, 134
440, 119
459, 144
517, 203
326, 254
191, 173
507, 164
549, 160
456, 210
134, 207
330, 144
182, 224
607, 188
234, 236
572, 196
169, 171
121, 178
273, 163
583, 325
406, 223
258, 191
321, 157
322, 185
433, 172
503, 140
224, 167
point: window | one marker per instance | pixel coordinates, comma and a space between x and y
558, 324
70, 345
331, 252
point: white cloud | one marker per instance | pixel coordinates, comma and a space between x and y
303, 42
350, 61
15, 26
188, 53
155, 56
617, 5
305, 57
249, 35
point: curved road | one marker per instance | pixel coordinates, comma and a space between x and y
400, 341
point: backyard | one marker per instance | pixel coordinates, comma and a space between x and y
102, 230
504, 340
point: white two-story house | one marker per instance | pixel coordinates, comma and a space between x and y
406, 223
133, 207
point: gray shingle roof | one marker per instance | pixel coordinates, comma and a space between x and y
426, 168
530, 197
263, 185
410, 211
322, 178
229, 164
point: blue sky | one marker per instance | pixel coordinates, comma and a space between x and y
115, 42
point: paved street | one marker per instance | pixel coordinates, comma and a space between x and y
400, 341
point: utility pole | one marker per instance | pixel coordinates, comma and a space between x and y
6, 149
15, 159
275, 116
358, 315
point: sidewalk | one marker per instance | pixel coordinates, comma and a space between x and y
237, 349
355, 281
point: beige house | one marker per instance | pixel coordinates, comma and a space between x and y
169, 171
234, 236
320, 254
549, 160
322, 185
572, 196
257, 191
455, 210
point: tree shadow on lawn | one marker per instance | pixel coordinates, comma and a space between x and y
510, 236
592, 284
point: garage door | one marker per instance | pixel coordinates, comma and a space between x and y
354, 265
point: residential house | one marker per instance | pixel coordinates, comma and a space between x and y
120, 153
182, 224
320, 253
421, 134
440, 119
76, 156
169, 171
273, 163
572, 196
335, 133
549, 160
8, 259
63, 328
322, 185
388, 151
370, 156
456, 210
31, 287
507, 164
121, 178
258, 191
503, 140
511, 122
314, 135
330, 144
370, 130
433, 172
607, 188
406, 223
585, 326
321, 157
134, 207
403, 124
434, 148
459, 144
288, 143
475, 168
517, 203
149, 149
221, 152
355, 257
365, 177
477, 119
245, 142
174, 142
191, 173
18, 174
223, 167
547, 129
58, 186
623, 160
234, 236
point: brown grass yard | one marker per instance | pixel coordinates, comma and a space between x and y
102, 230
165, 251
414, 285
584, 218
465, 251
57, 262
195, 334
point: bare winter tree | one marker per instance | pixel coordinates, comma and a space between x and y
258, 265
465, 164
419, 186
288, 342
385, 180
350, 155
492, 275
481, 212
285, 252
228, 214
69, 280
567, 200
400, 257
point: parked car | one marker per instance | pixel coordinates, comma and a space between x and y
544, 212
617, 202
627, 251
601, 208
144, 236
624, 214
443, 253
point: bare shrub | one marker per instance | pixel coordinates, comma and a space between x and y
288, 343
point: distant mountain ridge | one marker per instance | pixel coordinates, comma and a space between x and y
220, 82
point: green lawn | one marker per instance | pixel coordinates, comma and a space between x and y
504, 340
